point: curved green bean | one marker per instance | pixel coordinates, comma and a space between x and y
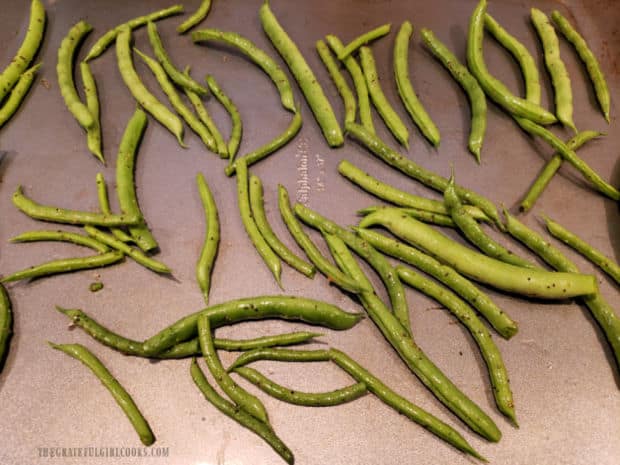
380, 102
142, 95
104, 205
348, 99
198, 15
63, 215
594, 70
27, 50
231, 108
422, 215
319, 104
121, 396
364, 39
17, 94
475, 94
212, 237
529, 282
495, 89
403, 83
93, 133
279, 355
61, 236
263, 430
6, 325
109, 37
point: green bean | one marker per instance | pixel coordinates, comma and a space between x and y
279, 355
475, 94
415, 171
403, 83
104, 205
270, 147
61, 236
109, 37
600, 310
380, 102
142, 95
258, 212
386, 272
17, 94
253, 308
182, 80
258, 56
319, 104
231, 108
521, 54
569, 155
175, 99
364, 39
260, 244
495, 89
555, 67
198, 15
465, 314
246, 401
422, 215
248, 421
6, 325
510, 278
121, 396
331, 272
396, 196
63, 215
359, 81
498, 319
588, 58
212, 238
27, 50
93, 133
552, 166
576, 243
350, 106
125, 181
136, 254
308, 399
474, 233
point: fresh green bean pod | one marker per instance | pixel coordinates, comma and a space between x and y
364, 39
17, 94
359, 81
6, 325
104, 205
243, 399
495, 89
258, 56
63, 215
350, 105
136, 254
551, 167
61, 236
331, 272
180, 79
258, 212
110, 36
270, 147
496, 317
380, 102
262, 247
472, 230
121, 396
264, 431
475, 94
425, 216
126, 183
231, 108
93, 133
319, 104
27, 50
417, 172
210, 245
279, 355
142, 95
555, 67
588, 58
576, 243
510, 278
465, 314
307, 399
254, 308
403, 83
201, 13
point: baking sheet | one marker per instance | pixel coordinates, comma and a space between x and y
562, 374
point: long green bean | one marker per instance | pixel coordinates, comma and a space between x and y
348, 99
237, 126
6, 325
17, 94
93, 133
364, 39
61, 236
104, 205
201, 13
209, 249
